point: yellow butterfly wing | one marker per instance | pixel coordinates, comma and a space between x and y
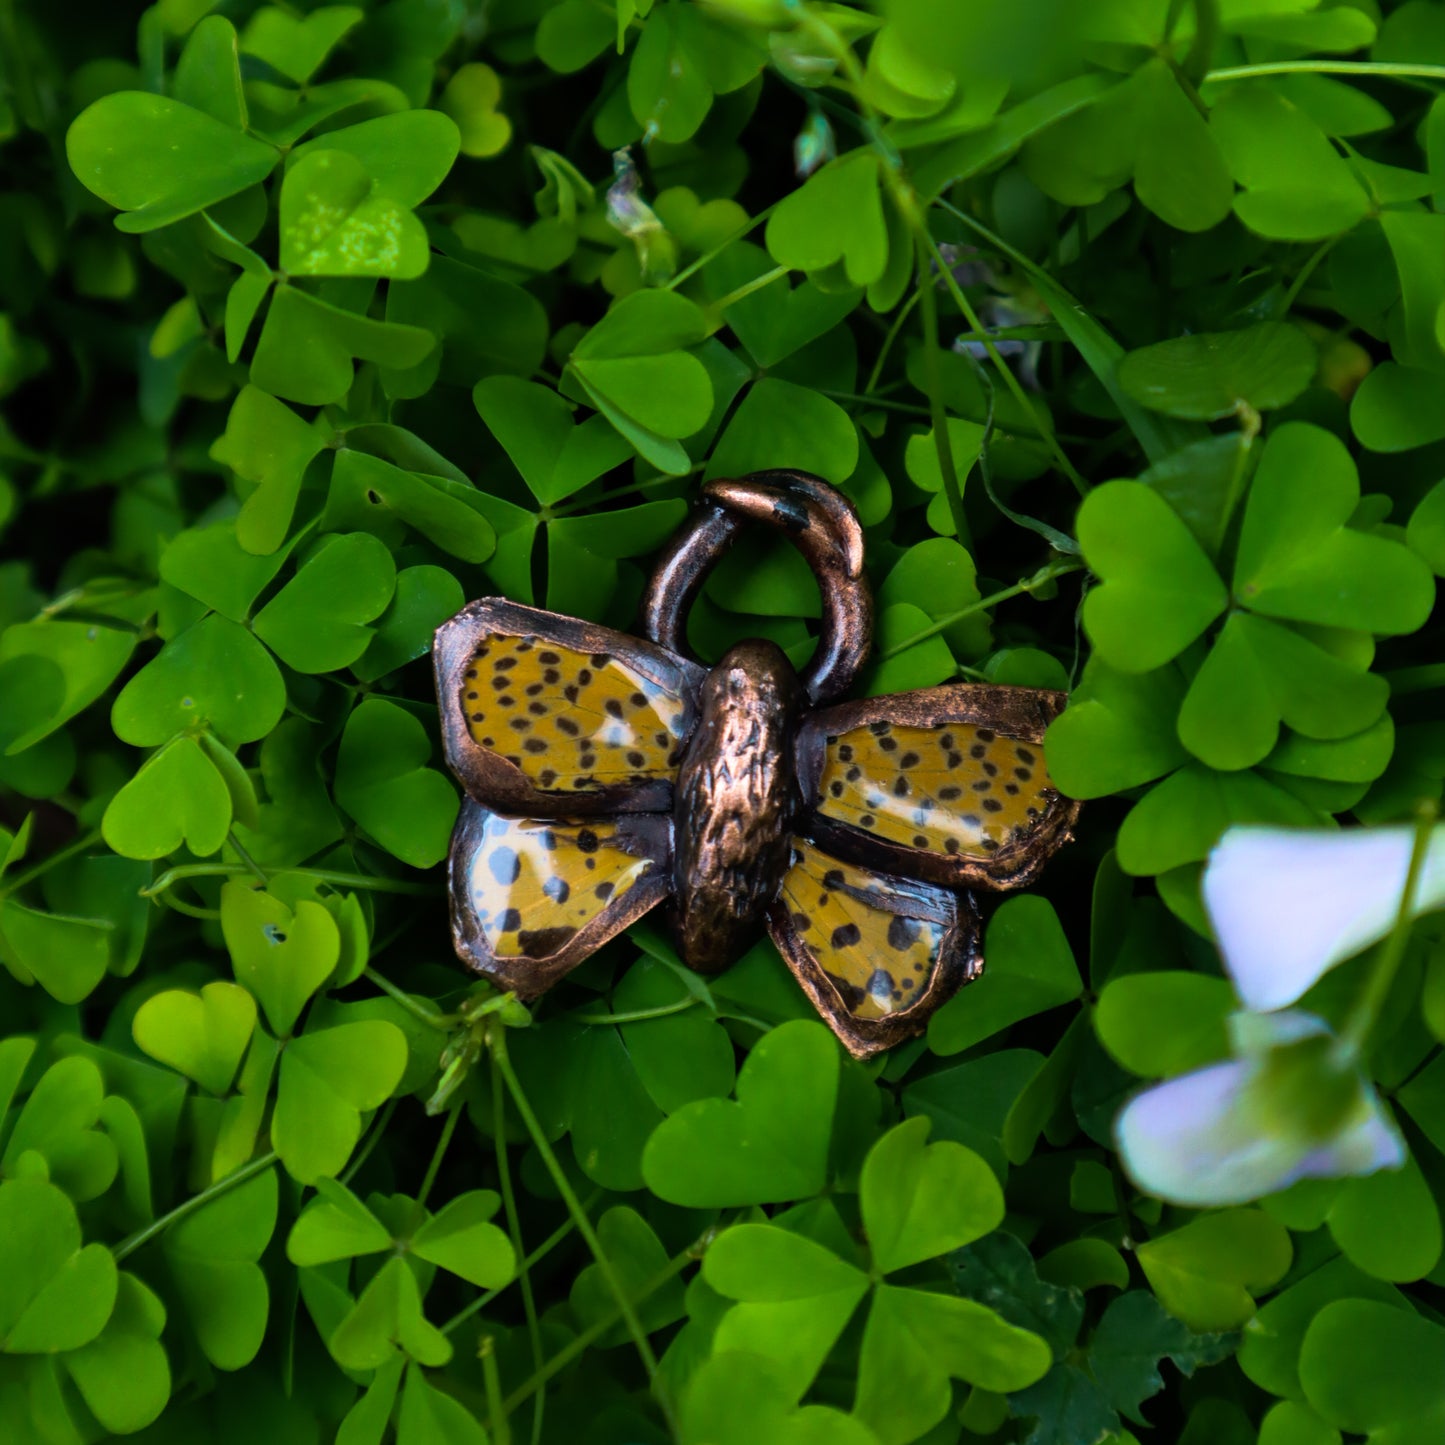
948, 783
532, 898
548, 715
876, 953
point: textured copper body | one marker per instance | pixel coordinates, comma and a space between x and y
737, 799
606, 774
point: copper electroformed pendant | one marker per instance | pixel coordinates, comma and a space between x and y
605, 774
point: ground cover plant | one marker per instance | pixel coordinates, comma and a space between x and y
1123, 327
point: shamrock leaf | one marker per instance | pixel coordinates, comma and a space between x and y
123, 1374
387, 1318
297, 47
327, 1079
317, 621
209, 564
1157, 590
382, 780
66, 956
268, 445
159, 160
58, 1123
460, 1238
771, 1145
1209, 376
778, 319
1117, 732
202, 1035
739, 1399
999, 1271
1030, 969
425, 597
1300, 560
213, 675
834, 219
1205, 1272
632, 366
555, 456
307, 347
336, 222
58, 1294
1410, 1248
1156, 1024
213, 1255
795, 1298
372, 495
335, 1225
282, 956
178, 797
1259, 674
407, 155
637, 1259
471, 98
916, 1342
920, 1200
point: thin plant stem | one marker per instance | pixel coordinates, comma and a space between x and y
441, 1022
133, 1242
262, 876
498, 1044
942, 442
501, 1430
636, 1016
373, 1138
1391, 70
1366, 1008
1029, 584
38, 870
440, 1152
364, 881
579, 1344
747, 289
514, 1228
695, 266
1416, 679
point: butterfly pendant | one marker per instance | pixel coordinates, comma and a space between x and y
606, 773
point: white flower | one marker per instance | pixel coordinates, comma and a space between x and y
1293, 1106
1288, 904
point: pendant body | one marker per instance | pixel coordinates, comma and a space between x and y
607, 774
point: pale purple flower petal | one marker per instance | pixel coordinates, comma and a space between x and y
1288, 904
1202, 1140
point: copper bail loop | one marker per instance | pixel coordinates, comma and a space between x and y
819, 521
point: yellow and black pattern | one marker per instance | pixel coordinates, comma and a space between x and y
953, 788
569, 719
532, 884
878, 959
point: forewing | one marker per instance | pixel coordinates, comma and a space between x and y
531, 899
875, 953
947, 783
550, 716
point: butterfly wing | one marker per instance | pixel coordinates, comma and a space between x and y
875, 953
946, 784
546, 716
531, 899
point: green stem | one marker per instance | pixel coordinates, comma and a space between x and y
567, 509
514, 1228
498, 1044
960, 299
133, 1242
756, 284
1305, 272
499, 1428
440, 1152
1029, 584
579, 1345
262, 876
365, 881
76, 845
881, 402
712, 255
662, 1011
373, 1138
888, 340
443, 1024
1388, 69
1367, 1007
942, 442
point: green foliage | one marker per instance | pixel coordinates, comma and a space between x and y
1120, 325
